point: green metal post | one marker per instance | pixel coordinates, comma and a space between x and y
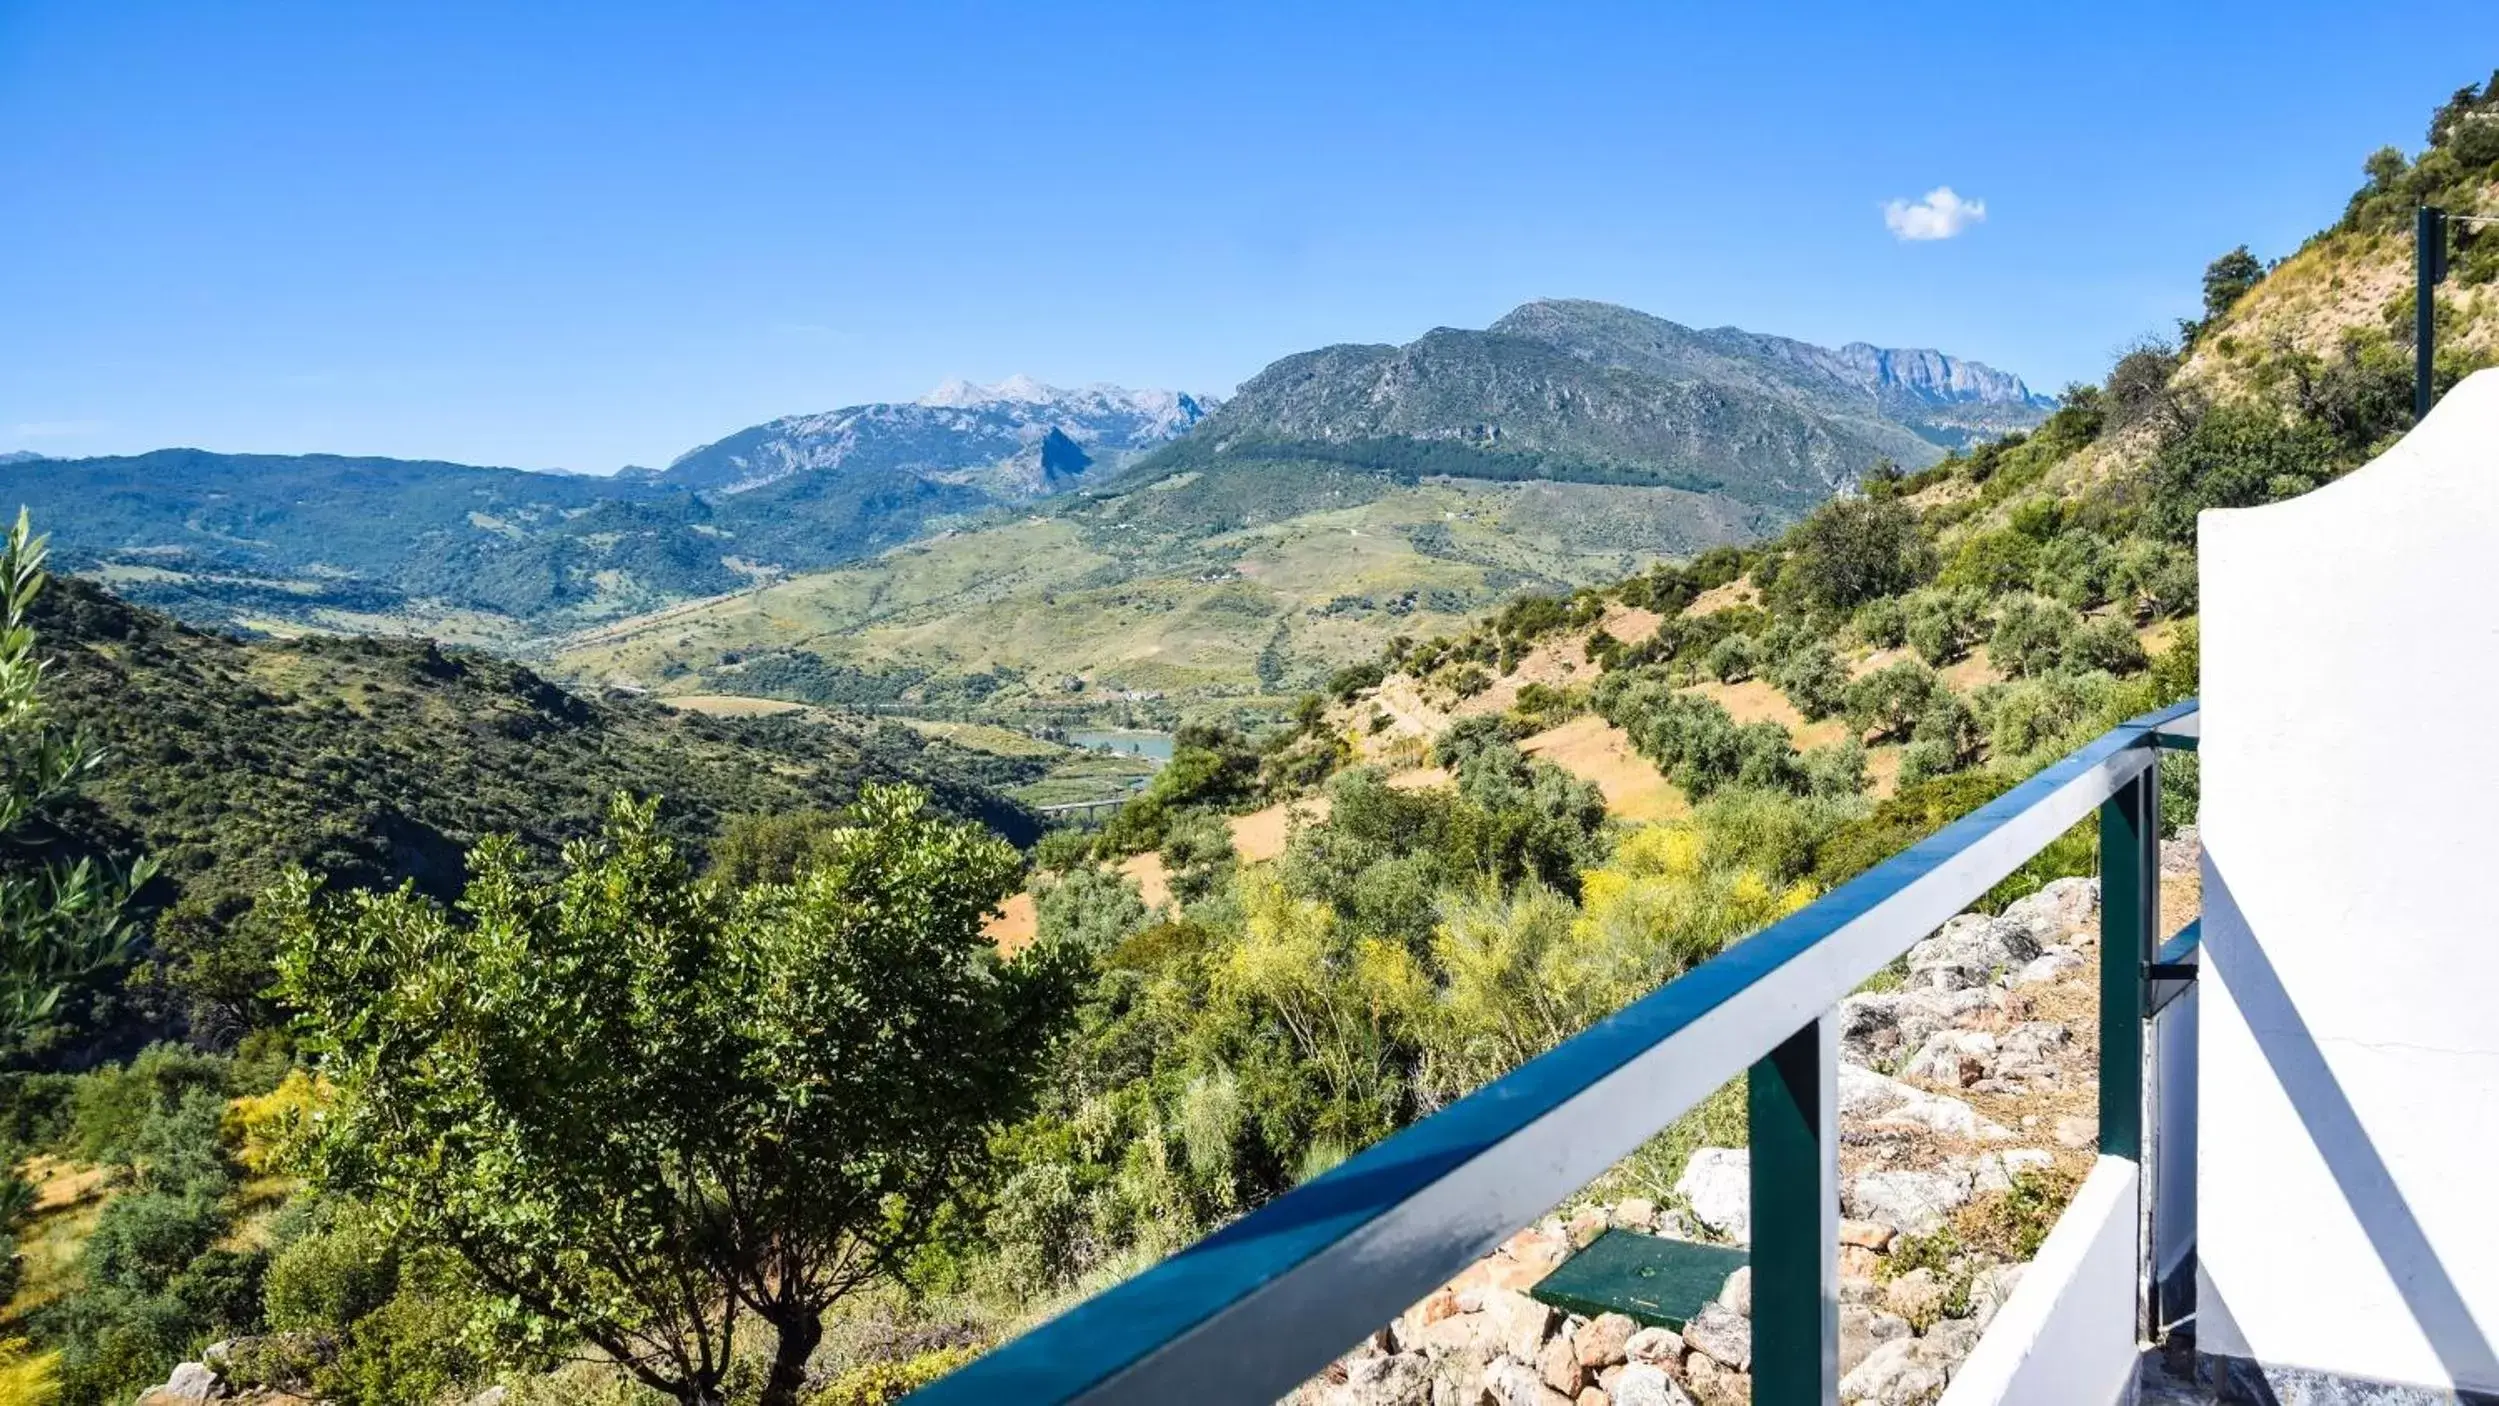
2429, 265
1792, 1105
2130, 873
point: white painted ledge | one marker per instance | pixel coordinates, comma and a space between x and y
2067, 1336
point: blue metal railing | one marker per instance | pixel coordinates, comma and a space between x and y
1255, 1309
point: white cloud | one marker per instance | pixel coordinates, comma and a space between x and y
1941, 215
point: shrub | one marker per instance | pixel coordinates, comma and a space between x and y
1993, 563
2073, 568
1942, 624
1890, 700
1836, 770
2237, 456
1732, 658
1813, 680
2031, 636
1881, 622
881, 1383
2107, 645
1852, 550
1354, 678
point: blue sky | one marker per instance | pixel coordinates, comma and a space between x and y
582, 236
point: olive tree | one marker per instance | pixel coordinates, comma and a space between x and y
647, 1108
58, 922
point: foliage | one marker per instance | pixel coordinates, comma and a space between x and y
2237, 456
881, 1383
1889, 701
2031, 636
1813, 679
641, 1107
2228, 279
62, 921
1852, 550
1942, 623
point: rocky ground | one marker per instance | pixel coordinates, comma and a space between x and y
1968, 1086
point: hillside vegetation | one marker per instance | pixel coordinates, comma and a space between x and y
640, 1122
376, 761
1342, 497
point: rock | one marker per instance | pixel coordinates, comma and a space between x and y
1442, 1304
1971, 950
1592, 1396
2030, 1050
1737, 1293
190, 1381
1644, 1385
2059, 908
1878, 1024
2048, 966
1989, 1291
1949, 1341
1636, 1213
1917, 1296
1384, 1381
1953, 1058
1884, 1104
1995, 1171
498, 1394
1864, 1328
1704, 1379
1519, 1323
1510, 1382
2182, 854
1915, 1201
1654, 1345
1858, 1265
1585, 1227
1471, 1335
1603, 1342
1722, 1335
2076, 1132
1718, 1185
1559, 1366
1892, 1375
1871, 1234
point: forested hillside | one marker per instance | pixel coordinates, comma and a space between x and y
799, 1113
376, 761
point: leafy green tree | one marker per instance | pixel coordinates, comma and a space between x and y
1882, 623
1813, 679
1851, 550
2031, 636
2237, 456
2228, 279
1890, 700
58, 922
643, 1107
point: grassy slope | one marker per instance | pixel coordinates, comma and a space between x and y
1115, 592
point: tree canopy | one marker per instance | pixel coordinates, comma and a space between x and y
642, 1106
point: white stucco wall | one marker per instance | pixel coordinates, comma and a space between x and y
2348, 1154
2067, 1335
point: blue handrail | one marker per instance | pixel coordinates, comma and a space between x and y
1260, 1306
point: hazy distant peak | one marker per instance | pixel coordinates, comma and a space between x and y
1020, 389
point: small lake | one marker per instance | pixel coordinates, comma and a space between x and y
1128, 742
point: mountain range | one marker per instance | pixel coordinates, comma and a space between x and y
1700, 436
1016, 439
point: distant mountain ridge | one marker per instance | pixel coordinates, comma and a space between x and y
1583, 391
988, 437
1942, 398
